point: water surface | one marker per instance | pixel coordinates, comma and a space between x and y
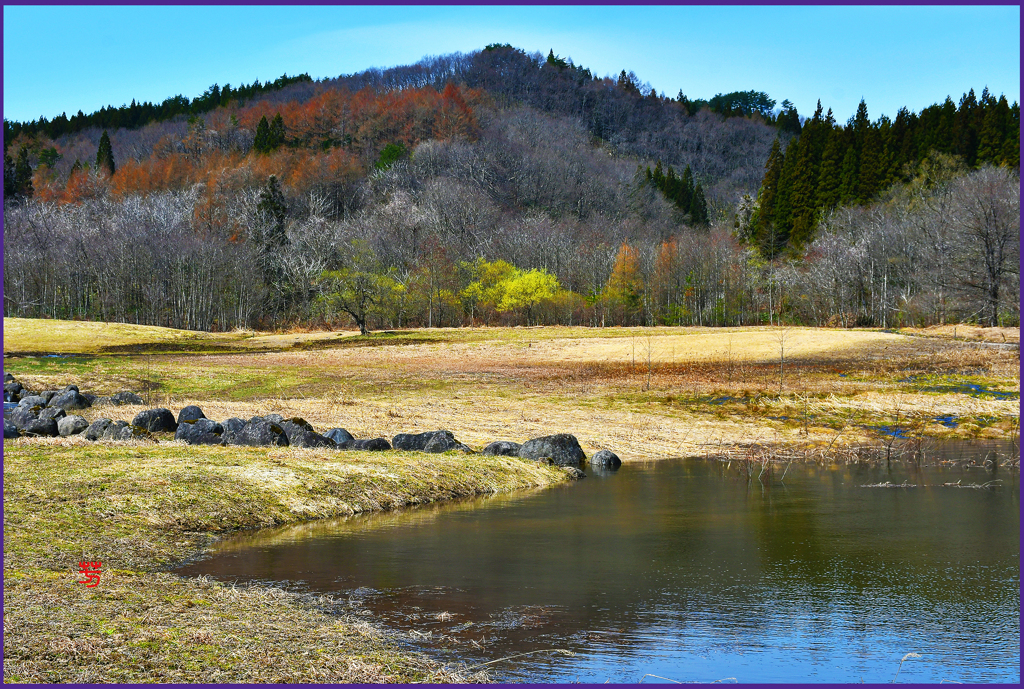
687, 570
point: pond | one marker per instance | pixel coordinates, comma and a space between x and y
687, 570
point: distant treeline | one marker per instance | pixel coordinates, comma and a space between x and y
140, 114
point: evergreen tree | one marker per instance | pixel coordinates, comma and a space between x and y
699, 207
23, 175
261, 141
105, 155
762, 221
684, 198
827, 194
276, 133
870, 175
784, 202
848, 176
274, 211
993, 133
10, 185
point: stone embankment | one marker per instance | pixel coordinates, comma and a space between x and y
48, 414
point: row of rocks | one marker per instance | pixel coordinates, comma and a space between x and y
45, 414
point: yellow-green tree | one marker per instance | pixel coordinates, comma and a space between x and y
362, 290
527, 289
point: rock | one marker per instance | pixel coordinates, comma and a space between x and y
96, 429
71, 425
32, 401
339, 435
371, 444
133, 432
301, 434
502, 448
231, 427
54, 413
605, 459
126, 397
272, 418
22, 416
190, 413
113, 430
574, 473
156, 420
258, 432
49, 394
431, 441
563, 449
13, 391
8, 378
68, 388
69, 400
10, 430
91, 398
41, 427
200, 432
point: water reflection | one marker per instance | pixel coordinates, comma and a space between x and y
688, 570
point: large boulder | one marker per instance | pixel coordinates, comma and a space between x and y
96, 429
301, 434
69, 388
200, 432
8, 378
113, 430
32, 401
431, 441
55, 413
71, 425
190, 413
69, 400
259, 432
156, 420
605, 459
502, 448
41, 427
10, 430
24, 415
371, 444
126, 397
339, 435
562, 449
49, 395
274, 418
231, 427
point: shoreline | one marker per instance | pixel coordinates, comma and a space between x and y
139, 510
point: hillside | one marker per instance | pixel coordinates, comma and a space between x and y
501, 187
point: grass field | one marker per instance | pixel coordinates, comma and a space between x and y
644, 393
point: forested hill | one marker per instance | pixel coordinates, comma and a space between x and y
490, 186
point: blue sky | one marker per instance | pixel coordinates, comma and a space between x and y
69, 58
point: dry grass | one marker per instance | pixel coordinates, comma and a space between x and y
644, 393
136, 507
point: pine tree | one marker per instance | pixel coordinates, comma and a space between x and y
105, 155
261, 141
276, 132
762, 221
848, 183
684, 198
699, 207
23, 175
274, 210
993, 133
10, 185
827, 195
